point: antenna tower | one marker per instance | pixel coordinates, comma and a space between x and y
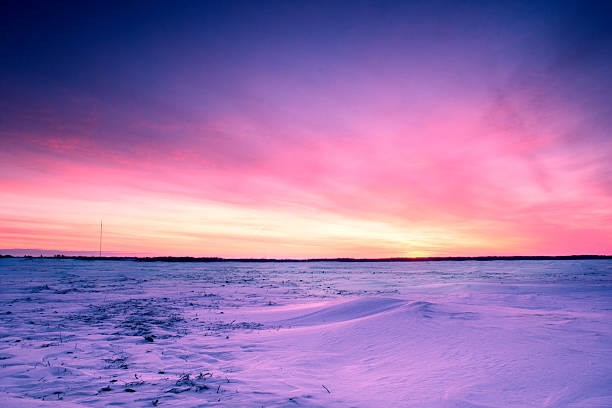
100, 254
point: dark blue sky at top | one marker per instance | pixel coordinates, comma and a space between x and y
68, 40
184, 58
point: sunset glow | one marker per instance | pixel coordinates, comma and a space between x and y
360, 130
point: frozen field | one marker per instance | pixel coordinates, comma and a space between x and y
435, 334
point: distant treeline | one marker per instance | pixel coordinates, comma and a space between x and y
398, 259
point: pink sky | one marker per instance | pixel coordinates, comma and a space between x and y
360, 144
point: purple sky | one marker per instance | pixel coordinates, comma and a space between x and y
306, 129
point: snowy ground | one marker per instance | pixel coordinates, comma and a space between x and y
436, 334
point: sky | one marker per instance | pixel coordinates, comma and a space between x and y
306, 129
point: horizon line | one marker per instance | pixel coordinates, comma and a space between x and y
340, 259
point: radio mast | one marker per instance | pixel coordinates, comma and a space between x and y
100, 255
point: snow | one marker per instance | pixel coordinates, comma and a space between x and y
435, 334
